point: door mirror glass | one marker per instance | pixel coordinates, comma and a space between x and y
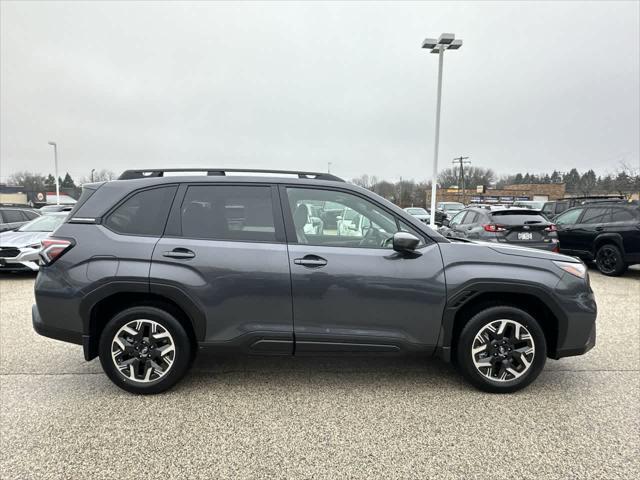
405, 242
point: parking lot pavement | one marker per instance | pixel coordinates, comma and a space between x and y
321, 417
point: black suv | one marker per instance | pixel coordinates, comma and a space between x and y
607, 232
150, 268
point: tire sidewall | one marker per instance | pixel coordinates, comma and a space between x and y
181, 362
620, 265
475, 324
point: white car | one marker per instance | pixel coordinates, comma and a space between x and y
20, 248
420, 213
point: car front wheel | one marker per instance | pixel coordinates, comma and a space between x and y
144, 350
501, 349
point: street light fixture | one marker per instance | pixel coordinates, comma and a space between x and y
55, 158
447, 41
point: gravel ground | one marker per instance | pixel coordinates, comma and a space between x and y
60, 417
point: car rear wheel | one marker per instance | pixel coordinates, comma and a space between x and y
501, 349
144, 350
609, 260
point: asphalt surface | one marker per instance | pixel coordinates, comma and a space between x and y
320, 417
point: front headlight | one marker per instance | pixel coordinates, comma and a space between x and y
576, 269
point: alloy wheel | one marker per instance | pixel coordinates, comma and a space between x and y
607, 259
143, 351
503, 350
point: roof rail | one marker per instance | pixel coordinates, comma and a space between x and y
221, 172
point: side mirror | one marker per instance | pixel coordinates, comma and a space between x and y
405, 242
445, 222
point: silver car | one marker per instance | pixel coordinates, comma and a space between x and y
19, 249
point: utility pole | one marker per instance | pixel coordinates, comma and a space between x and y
462, 161
329, 167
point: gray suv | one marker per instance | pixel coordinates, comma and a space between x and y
150, 268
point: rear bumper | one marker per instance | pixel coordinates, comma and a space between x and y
53, 332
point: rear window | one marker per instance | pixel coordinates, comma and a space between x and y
144, 213
226, 212
517, 218
45, 223
30, 215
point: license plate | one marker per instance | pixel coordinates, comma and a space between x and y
525, 236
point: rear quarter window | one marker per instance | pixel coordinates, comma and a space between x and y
143, 213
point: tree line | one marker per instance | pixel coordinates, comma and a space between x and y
37, 182
625, 181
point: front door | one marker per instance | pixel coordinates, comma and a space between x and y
351, 290
566, 224
224, 248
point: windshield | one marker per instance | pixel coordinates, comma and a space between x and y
518, 217
45, 223
452, 206
417, 211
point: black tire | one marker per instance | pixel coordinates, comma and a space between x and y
465, 358
610, 261
182, 357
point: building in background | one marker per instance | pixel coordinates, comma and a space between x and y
526, 191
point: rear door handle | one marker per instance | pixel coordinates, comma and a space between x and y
179, 253
311, 261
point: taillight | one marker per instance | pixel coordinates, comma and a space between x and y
54, 248
551, 228
492, 227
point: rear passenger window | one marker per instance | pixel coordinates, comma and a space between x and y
13, 216
620, 215
144, 213
228, 212
596, 215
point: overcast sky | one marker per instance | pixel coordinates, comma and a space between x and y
536, 86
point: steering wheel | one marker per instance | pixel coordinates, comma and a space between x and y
371, 238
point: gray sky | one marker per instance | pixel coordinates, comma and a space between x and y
118, 85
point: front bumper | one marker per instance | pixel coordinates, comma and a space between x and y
26, 260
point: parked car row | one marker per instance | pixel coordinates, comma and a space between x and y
606, 231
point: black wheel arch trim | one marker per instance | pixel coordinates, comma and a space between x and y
174, 294
469, 291
609, 237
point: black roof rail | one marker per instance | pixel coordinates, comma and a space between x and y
220, 172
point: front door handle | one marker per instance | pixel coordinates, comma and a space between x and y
179, 253
310, 261
599, 229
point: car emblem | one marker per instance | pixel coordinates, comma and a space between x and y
526, 227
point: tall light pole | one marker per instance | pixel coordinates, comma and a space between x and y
55, 158
446, 41
92, 170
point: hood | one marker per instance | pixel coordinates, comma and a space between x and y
21, 239
528, 252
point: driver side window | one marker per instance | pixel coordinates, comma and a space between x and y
339, 219
457, 219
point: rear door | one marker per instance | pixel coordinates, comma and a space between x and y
626, 222
224, 247
591, 224
354, 292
